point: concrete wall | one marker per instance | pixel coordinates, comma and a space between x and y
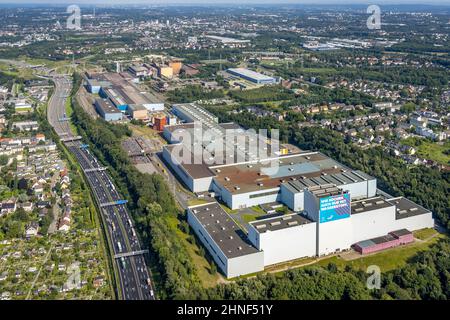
202, 184
246, 264
178, 169
243, 200
232, 267
287, 197
334, 235
357, 189
415, 223
286, 244
372, 224
371, 188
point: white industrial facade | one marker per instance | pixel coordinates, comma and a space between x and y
234, 256
373, 223
200, 183
283, 239
335, 207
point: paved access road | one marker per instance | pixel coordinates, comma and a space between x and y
133, 275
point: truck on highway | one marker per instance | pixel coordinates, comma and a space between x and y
119, 245
124, 265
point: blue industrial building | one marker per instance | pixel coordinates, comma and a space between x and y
107, 110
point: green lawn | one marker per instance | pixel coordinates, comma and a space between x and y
424, 233
387, 260
430, 150
202, 265
249, 217
195, 202
228, 210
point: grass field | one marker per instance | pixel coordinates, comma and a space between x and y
435, 151
196, 202
424, 234
249, 217
24, 73
430, 150
387, 260
144, 131
202, 265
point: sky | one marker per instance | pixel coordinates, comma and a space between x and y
92, 2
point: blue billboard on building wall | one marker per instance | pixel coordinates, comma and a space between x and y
334, 208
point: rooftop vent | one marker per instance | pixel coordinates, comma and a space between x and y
227, 179
275, 223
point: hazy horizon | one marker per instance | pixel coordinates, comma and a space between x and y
240, 2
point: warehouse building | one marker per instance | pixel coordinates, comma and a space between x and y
107, 111
393, 239
137, 112
252, 76
230, 248
336, 208
284, 238
118, 88
330, 223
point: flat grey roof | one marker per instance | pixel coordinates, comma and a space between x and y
369, 205
406, 208
223, 230
107, 106
279, 223
197, 169
401, 232
321, 191
250, 73
338, 179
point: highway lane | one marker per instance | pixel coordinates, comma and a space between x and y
133, 273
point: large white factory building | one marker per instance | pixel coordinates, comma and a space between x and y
334, 206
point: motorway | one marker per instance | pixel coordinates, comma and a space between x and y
133, 276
